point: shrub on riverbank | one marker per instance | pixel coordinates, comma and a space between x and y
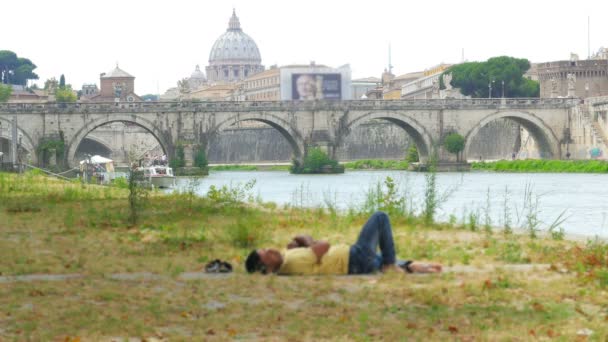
316, 161
543, 165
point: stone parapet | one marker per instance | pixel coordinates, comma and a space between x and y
291, 106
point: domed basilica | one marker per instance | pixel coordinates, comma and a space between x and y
234, 56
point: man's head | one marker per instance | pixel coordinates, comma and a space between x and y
264, 261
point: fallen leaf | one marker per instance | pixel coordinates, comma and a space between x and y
210, 332
453, 329
36, 293
231, 332
532, 332
538, 306
411, 325
552, 333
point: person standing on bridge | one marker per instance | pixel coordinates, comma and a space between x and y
306, 256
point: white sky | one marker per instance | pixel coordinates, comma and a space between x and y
161, 41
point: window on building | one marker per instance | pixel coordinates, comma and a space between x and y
225, 73
236, 73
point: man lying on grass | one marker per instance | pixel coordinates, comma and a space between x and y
305, 256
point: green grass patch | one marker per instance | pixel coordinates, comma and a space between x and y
542, 165
377, 164
233, 168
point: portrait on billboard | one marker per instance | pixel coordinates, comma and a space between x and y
316, 87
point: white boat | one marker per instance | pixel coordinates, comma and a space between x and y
159, 175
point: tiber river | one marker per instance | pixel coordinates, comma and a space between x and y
582, 198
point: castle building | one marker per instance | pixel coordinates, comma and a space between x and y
234, 55
588, 78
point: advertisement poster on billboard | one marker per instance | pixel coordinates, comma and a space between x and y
313, 86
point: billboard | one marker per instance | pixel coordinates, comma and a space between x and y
316, 86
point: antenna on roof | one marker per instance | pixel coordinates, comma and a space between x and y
390, 66
588, 37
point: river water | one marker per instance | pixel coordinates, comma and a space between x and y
582, 199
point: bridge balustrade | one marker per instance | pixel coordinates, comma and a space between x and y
174, 106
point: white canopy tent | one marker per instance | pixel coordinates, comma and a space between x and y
97, 159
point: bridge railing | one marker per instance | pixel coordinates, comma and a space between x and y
175, 106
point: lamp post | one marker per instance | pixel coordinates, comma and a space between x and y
490, 89
503, 88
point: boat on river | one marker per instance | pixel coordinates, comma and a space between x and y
160, 176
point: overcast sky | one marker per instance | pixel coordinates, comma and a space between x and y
160, 42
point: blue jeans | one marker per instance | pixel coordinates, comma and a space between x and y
376, 232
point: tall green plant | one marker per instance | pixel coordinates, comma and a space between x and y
138, 195
430, 190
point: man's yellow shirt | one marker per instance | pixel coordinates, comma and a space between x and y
303, 261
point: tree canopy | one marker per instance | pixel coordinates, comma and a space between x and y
5, 92
15, 70
65, 95
474, 78
454, 143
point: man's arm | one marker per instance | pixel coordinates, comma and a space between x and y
301, 241
320, 248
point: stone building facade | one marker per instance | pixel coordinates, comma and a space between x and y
115, 86
264, 86
591, 78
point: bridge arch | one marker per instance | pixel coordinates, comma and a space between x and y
547, 141
293, 136
412, 127
102, 145
88, 127
26, 142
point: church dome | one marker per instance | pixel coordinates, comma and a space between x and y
234, 46
198, 74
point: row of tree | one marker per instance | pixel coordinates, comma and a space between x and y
16, 70
502, 76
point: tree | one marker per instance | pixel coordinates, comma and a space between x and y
65, 95
51, 85
5, 92
62, 82
200, 159
15, 70
454, 143
412, 154
180, 157
475, 78
8, 62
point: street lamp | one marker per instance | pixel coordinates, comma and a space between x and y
490, 89
503, 88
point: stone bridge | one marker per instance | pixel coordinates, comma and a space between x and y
323, 124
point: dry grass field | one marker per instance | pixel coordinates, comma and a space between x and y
144, 280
